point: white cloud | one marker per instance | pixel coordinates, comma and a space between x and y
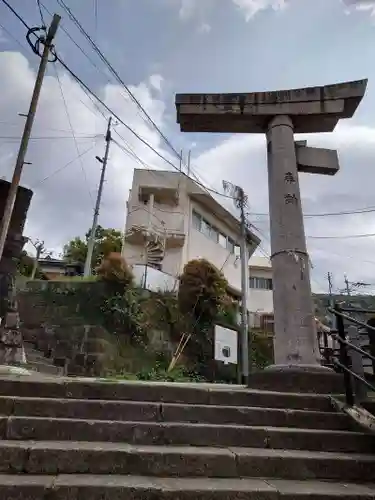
204, 28
252, 7
187, 9
156, 81
242, 160
62, 206
360, 5
3, 38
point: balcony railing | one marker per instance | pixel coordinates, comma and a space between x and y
154, 280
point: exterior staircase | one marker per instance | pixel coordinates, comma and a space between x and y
154, 243
85, 439
155, 249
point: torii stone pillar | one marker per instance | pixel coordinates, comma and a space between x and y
280, 115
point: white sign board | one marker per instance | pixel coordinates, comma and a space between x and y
226, 346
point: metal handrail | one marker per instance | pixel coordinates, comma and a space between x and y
344, 358
352, 346
338, 310
359, 310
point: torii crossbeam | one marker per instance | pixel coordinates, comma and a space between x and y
280, 115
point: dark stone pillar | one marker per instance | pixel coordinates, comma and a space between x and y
14, 243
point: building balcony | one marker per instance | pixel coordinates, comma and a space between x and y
137, 234
168, 225
161, 194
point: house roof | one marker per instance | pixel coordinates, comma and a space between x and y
204, 197
260, 262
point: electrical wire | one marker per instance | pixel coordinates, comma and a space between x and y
117, 76
88, 90
23, 47
63, 167
73, 134
16, 14
40, 12
344, 237
15, 138
132, 96
114, 114
130, 129
97, 50
77, 45
363, 210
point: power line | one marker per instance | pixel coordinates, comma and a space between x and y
117, 76
115, 73
16, 138
78, 46
13, 124
23, 47
89, 91
345, 237
40, 12
114, 114
73, 134
64, 166
329, 214
16, 14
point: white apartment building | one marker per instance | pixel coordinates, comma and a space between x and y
260, 301
171, 220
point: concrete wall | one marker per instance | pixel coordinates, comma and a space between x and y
154, 280
133, 254
260, 300
201, 246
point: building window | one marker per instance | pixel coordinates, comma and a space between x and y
222, 240
197, 221
205, 228
213, 233
230, 245
267, 323
261, 283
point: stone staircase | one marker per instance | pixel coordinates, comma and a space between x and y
88, 440
40, 363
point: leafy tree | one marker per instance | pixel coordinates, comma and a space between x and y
114, 269
202, 290
106, 241
201, 293
25, 264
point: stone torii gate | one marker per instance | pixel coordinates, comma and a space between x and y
280, 115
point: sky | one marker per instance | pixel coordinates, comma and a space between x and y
163, 47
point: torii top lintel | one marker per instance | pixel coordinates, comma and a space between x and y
312, 109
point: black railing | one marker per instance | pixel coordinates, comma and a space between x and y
341, 360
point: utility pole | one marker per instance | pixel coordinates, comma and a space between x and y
331, 301
9, 206
103, 161
330, 286
188, 163
39, 247
244, 290
240, 200
347, 285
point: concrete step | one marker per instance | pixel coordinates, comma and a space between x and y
44, 367
170, 412
114, 487
53, 457
162, 433
201, 394
35, 355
